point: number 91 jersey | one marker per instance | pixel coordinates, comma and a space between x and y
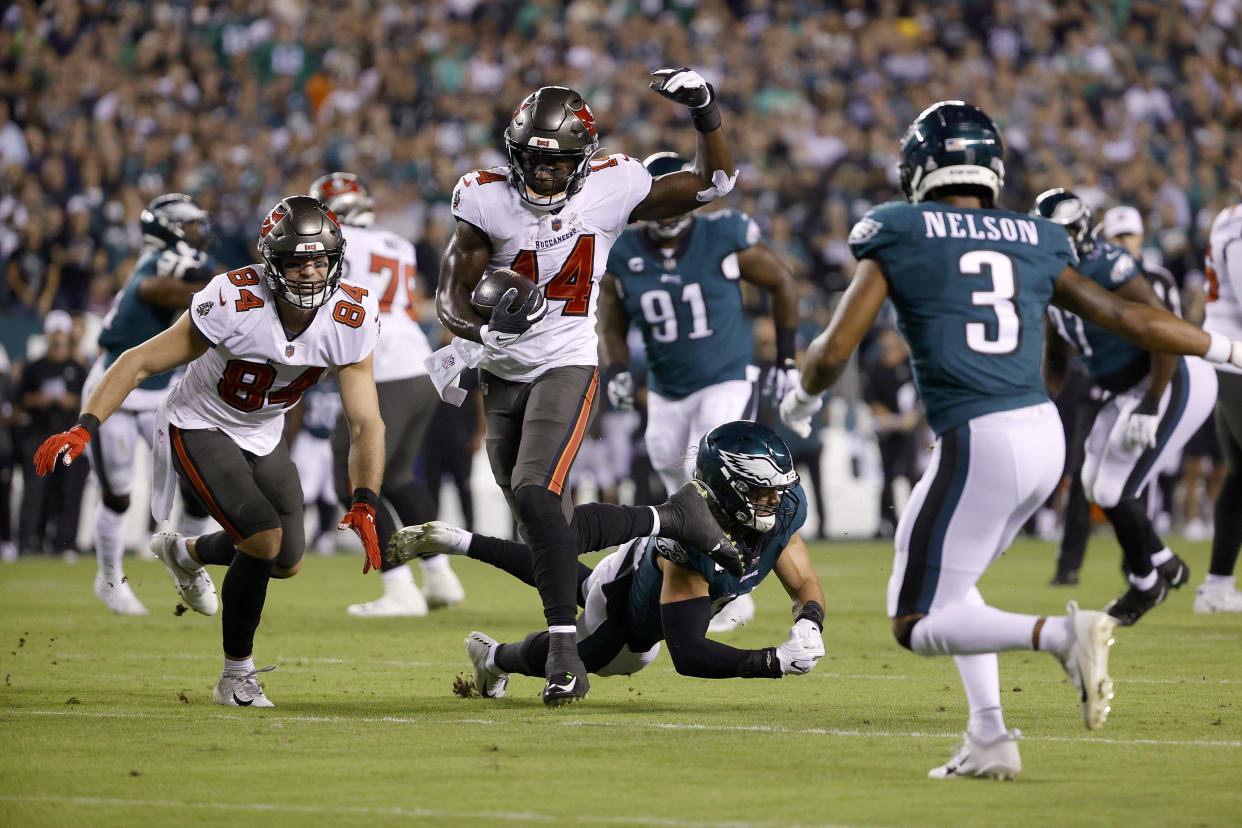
970, 287
565, 253
254, 371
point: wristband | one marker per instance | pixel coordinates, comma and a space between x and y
1219, 349
760, 664
707, 117
786, 344
813, 612
614, 369
366, 497
801, 395
90, 424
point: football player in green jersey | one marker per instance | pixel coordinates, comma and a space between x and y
970, 283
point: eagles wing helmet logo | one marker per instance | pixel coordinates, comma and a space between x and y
756, 467
1123, 268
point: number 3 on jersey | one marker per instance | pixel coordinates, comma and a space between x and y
999, 268
572, 283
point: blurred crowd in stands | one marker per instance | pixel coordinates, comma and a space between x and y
105, 104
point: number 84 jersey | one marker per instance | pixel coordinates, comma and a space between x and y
970, 287
565, 253
254, 371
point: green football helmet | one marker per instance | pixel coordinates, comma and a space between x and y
741, 461
1062, 207
952, 146
663, 163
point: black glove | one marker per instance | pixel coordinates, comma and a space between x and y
688, 88
507, 327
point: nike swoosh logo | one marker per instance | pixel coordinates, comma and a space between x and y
221, 296
564, 688
241, 703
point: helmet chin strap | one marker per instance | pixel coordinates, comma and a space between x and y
671, 231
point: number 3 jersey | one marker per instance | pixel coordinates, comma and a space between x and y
970, 287
565, 253
254, 371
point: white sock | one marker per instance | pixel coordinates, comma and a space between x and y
436, 563
565, 629
192, 527
1219, 581
1160, 557
396, 578
490, 661
109, 542
969, 629
1146, 582
1054, 637
655, 529
981, 680
181, 554
244, 665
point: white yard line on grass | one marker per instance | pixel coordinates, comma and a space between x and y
363, 810
806, 731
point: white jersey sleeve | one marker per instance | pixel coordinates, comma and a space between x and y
564, 252
256, 370
1224, 272
386, 265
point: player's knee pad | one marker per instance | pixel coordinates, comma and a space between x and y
116, 503
283, 572
536, 504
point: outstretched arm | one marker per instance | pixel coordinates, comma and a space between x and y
360, 401
713, 174
614, 352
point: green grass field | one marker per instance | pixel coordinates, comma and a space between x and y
109, 721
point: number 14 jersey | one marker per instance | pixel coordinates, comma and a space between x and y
565, 253
254, 372
970, 287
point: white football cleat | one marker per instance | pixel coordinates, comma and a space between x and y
442, 588
738, 612
1211, 598
118, 595
972, 760
1086, 661
426, 540
241, 689
400, 599
489, 681
193, 585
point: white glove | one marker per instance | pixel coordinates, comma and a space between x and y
621, 391
797, 409
803, 650
179, 260
785, 378
1141, 431
722, 185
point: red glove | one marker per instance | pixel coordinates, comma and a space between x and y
361, 518
69, 443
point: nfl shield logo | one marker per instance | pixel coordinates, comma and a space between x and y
556, 225
289, 350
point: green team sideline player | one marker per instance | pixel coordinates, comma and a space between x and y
656, 588
970, 283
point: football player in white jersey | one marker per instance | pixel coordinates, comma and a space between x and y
385, 263
1218, 593
552, 214
255, 340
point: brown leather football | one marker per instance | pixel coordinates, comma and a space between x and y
493, 285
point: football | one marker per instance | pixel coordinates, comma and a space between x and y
493, 285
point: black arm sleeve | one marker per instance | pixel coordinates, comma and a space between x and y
693, 654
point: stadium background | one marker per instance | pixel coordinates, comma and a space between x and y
104, 105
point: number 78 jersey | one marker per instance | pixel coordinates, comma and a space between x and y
255, 372
565, 253
970, 287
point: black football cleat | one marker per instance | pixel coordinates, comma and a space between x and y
567, 677
687, 518
1174, 571
1066, 578
1135, 602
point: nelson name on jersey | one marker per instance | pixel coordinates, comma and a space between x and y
946, 224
